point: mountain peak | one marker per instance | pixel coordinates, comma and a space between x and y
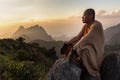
35, 27
32, 33
21, 28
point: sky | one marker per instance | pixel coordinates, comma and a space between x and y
57, 17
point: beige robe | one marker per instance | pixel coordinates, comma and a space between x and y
91, 47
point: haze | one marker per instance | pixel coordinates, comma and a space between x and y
58, 17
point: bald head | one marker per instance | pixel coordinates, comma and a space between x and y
90, 12
88, 16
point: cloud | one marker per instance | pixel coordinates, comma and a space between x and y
101, 12
105, 14
108, 18
16, 3
38, 8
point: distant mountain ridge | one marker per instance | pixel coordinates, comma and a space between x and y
62, 38
32, 33
112, 35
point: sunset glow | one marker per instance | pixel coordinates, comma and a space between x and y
58, 17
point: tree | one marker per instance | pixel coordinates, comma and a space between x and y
21, 39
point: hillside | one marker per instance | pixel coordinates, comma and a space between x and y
34, 62
50, 44
23, 61
112, 34
114, 40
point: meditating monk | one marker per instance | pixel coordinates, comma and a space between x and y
89, 46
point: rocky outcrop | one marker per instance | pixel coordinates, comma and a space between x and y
110, 68
64, 70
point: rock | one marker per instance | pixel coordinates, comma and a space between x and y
64, 70
110, 69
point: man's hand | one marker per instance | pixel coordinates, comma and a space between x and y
70, 53
66, 48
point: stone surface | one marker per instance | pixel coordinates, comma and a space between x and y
64, 70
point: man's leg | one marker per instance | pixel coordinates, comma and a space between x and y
85, 74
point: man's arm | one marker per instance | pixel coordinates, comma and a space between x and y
75, 39
68, 45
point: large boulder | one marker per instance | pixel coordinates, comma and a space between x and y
110, 68
64, 70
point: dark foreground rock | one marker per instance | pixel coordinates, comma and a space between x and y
64, 70
110, 68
